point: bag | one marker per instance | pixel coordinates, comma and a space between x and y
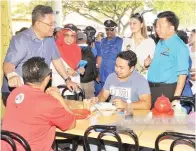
91, 71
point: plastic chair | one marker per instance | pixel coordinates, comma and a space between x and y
180, 137
18, 138
9, 140
77, 95
105, 130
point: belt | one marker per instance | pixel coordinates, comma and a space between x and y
152, 84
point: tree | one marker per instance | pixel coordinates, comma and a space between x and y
24, 9
185, 10
100, 10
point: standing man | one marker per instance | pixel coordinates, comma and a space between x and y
169, 68
35, 41
110, 47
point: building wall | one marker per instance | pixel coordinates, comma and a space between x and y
6, 35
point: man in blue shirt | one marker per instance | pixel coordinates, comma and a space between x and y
169, 67
35, 41
110, 47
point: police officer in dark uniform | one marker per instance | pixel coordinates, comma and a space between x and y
110, 47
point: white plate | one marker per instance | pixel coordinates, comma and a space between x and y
103, 106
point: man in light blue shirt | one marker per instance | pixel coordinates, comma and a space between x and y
169, 67
35, 41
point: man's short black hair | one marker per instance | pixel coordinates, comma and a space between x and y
35, 70
171, 18
40, 11
130, 56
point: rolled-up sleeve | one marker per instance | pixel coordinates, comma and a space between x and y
55, 51
16, 51
182, 61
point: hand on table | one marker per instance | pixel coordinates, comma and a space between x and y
120, 104
94, 100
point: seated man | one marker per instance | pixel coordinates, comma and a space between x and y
35, 113
126, 84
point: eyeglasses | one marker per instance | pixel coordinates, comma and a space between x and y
50, 73
109, 29
50, 25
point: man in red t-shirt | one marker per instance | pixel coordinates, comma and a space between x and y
33, 113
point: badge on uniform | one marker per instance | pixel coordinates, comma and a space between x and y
166, 52
19, 98
108, 22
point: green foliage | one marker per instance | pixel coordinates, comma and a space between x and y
101, 10
24, 9
185, 10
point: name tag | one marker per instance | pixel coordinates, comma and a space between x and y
165, 54
121, 92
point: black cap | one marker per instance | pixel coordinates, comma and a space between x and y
110, 24
71, 27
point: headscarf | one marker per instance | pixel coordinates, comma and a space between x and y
71, 54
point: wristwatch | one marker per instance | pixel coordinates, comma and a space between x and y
67, 79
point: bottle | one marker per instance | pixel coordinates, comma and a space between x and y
128, 110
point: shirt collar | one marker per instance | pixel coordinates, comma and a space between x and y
170, 40
113, 39
32, 34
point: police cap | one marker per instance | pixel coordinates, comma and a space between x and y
110, 24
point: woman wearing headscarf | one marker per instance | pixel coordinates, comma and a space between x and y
70, 54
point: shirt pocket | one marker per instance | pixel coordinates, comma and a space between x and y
166, 57
113, 51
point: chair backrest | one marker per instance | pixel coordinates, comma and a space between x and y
6, 137
77, 95
108, 130
18, 138
179, 137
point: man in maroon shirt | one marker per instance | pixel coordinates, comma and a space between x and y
35, 113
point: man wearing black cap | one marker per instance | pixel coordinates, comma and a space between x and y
110, 47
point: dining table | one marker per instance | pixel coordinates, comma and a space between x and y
146, 129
